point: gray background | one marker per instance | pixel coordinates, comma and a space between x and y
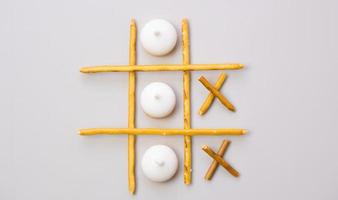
287, 98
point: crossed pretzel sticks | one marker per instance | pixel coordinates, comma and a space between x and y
218, 160
214, 92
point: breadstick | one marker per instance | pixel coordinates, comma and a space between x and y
208, 101
220, 160
186, 101
164, 132
162, 67
215, 92
214, 164
131, 109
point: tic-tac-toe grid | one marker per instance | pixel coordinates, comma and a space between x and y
132, 131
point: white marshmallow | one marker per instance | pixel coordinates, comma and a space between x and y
158, 100
158, 37
159, 163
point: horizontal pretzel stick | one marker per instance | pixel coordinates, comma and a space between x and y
220, 160
169, 67
208, 101
214, 164
213, 90
152, 131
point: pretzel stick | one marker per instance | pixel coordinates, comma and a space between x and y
214, 164
131, 111
208, 101
220, 161
162, 67
164, 132
214, 91
186, 101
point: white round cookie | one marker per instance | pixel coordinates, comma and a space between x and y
158, 100
158, 37
159, 163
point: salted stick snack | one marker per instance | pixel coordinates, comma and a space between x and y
161, 67
208, 101
131, 109
221, 161
214, 164
186, 101
215, 92
164, 132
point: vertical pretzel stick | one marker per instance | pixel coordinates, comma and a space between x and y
131, 106
214, 164
220, 160
208, 101
222, 98
186, 101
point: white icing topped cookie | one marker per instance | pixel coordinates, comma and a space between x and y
158, 100
159, 163
158, 37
